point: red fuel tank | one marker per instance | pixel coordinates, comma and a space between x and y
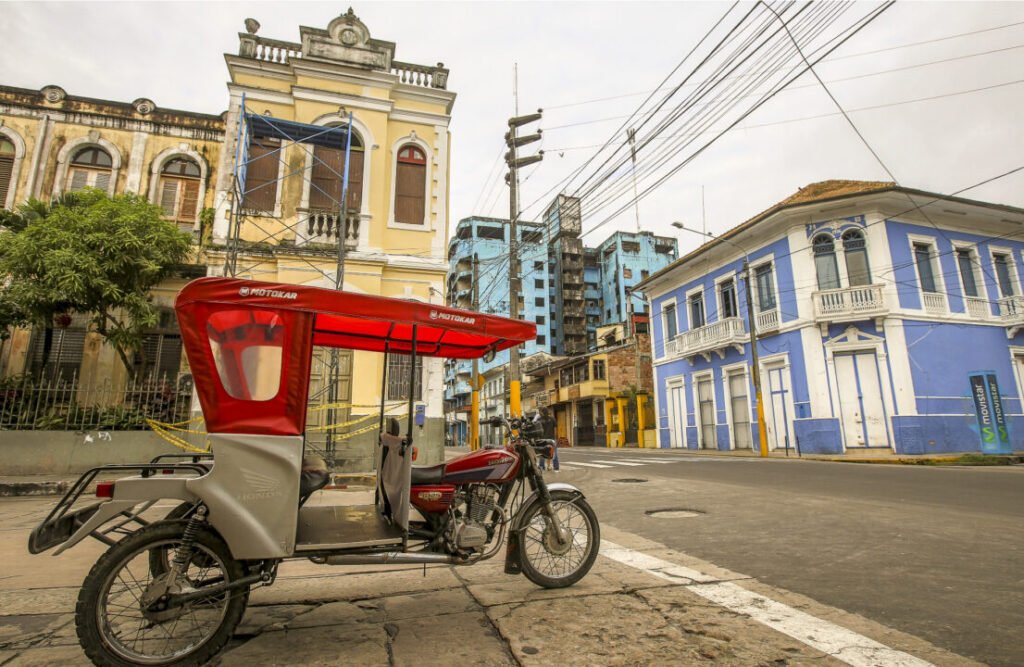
485, 465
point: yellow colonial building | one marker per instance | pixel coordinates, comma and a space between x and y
261, 185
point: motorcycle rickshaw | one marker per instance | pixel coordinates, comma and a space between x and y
172, 591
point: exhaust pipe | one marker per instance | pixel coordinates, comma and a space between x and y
391, 558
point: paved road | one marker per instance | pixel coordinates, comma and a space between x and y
937, 552
889, 544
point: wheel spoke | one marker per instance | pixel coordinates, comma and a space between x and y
136, 634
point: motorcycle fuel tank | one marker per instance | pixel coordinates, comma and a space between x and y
485, 465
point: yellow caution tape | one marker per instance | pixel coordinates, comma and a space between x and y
175, 440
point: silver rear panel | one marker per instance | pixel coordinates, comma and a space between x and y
252, 493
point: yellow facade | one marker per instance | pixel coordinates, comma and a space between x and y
319, 80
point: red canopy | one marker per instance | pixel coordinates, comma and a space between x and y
362, 322
249, 343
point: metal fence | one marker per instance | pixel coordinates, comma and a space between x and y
68, 404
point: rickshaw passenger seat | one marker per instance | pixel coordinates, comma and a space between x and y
314, 476
428, 474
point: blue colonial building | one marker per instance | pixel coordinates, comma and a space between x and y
888, 319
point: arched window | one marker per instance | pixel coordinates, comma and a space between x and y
857, 270
179, 190
90, 168
329, 173
410, 185
6, 168
825, 262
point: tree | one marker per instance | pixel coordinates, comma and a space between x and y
92, 254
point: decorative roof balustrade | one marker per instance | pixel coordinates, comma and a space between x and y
283, 52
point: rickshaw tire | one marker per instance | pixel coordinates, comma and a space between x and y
594, 527
86, 626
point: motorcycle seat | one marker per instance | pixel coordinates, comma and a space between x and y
428, 474
314, 477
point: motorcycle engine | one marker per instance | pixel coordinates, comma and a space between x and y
469, 527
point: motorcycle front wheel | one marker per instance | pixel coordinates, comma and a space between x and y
117, 626
544, 560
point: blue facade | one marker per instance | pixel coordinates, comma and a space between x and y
868, 328
485, 242
623, 260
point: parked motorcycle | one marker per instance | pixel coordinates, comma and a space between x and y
172, 591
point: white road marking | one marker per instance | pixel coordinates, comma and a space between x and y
618, 463
845, 645
642, 461
589, 465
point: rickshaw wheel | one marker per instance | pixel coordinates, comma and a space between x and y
115, 630
542, 559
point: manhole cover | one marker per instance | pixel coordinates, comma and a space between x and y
630, 480
673, 513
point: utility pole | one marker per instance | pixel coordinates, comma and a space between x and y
631, 134
514, 278
474, 410
755, 369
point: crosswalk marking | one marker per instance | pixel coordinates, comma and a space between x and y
642, 461
589, 465
619, 463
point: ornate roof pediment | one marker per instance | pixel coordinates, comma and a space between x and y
347, 40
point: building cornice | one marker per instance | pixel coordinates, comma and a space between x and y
353, 101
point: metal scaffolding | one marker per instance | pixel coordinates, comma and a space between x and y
259, 168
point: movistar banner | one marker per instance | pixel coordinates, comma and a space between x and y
995, 437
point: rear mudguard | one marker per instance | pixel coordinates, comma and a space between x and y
128, 493
512, 549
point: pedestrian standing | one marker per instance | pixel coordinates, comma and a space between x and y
547, 423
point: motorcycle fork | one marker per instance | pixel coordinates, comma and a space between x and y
541, 487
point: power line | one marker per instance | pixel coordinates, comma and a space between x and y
873, 107
735, 90
829, 48
552, 107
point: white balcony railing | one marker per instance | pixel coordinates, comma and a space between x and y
849, 303
325, 226
934, 302
1011, 309
708, 338
977, 307
767, 320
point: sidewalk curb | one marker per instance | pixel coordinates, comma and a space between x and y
45, 488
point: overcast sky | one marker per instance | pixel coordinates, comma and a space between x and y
570, 54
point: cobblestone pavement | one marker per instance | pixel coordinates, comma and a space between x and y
319, 615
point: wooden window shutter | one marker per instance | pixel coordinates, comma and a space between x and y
103, 180
410, 187
6, 167
189, 201
79, 179
326, 179
261, 175
355, 182
168, 196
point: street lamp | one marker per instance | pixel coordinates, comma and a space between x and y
751, 328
